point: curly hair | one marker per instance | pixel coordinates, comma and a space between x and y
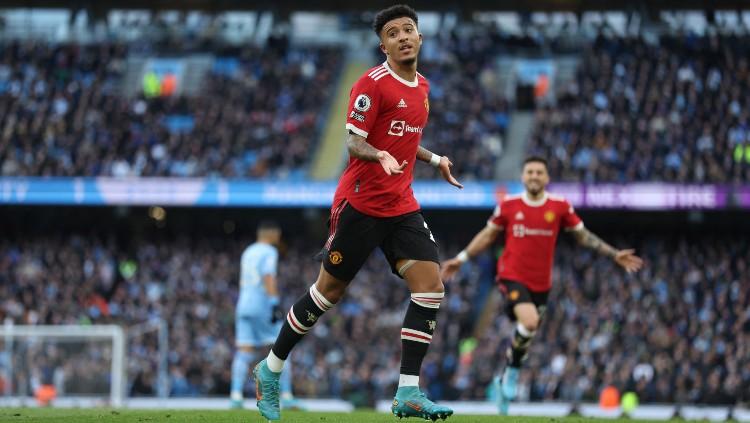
391, 13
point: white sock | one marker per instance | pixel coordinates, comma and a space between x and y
408, 380
274, 363
236, 396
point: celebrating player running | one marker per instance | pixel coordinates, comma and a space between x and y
531, 222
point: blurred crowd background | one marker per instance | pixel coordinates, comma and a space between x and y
678, 331
666, 102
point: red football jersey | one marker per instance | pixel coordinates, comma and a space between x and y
390, 112
531, 229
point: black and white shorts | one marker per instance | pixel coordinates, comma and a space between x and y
354, 235
517, 293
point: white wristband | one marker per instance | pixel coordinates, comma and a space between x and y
463, 256
435, 160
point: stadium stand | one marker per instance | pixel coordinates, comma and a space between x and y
673, 110
678, 332
256, 115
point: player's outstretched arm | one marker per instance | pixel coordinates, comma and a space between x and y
359, 147
625, 258
479, 243
441, 162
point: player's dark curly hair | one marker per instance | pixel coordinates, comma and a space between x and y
536, 159
391, 13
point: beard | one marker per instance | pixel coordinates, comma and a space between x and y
534, 191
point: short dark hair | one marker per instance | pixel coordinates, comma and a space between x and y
391, 13
536, 159
266, 225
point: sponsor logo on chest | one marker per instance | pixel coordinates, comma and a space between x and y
400, 127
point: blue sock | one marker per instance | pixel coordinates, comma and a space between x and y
285, 380
240, 374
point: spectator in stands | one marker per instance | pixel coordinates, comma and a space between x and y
670, 334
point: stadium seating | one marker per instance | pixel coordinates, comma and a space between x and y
64, 114
678, 332
673, 110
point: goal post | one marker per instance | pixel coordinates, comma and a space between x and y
11, 334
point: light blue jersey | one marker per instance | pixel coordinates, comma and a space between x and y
258, 260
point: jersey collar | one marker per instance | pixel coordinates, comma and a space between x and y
412, 84
532, 203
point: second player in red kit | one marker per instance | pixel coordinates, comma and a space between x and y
531, 222
531, 229
374, 207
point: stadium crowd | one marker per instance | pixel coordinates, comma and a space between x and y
65, 113
672, 110
638, 110
257, 114
469, 115
677, 332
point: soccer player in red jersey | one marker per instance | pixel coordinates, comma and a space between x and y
374, 206
531, 222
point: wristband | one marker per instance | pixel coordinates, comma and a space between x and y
463, 256
435, 160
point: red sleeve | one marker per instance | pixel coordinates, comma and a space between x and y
570, 220
497, 220
364, 103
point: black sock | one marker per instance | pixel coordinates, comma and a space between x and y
518, 348
416, 333
300, 319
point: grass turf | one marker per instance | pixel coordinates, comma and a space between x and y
27, 415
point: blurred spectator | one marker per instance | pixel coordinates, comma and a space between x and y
468, 113
670, 333
64, 114
672, 110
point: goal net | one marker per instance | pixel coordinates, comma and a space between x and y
62, 361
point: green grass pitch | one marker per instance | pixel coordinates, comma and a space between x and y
28, 415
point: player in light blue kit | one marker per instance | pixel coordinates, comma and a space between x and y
258, 316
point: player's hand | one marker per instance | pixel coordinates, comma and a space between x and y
445, 170
449, 268
628, 260
390, 164
277, 314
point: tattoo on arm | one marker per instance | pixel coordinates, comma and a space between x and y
590, 240
424, 154
359, 147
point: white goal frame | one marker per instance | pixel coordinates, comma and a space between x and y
116, 333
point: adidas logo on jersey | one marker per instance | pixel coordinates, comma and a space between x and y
519, 216
401, 104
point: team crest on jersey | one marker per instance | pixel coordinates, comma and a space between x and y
519, 215
362, 103
335, 257
514, 295
549, 216
427, 104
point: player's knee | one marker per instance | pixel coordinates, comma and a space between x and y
330, 290
530, 323
433, 285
